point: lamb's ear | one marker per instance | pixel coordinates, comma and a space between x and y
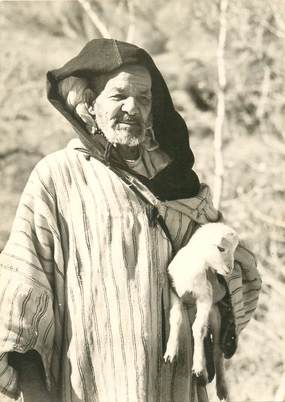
230, 237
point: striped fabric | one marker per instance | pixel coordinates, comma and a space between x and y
244, 285
83, 282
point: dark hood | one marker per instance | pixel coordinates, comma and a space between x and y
101, 56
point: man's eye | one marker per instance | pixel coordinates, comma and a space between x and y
221, 249
117, 97
144, 99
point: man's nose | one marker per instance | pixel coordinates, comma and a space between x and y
130, 106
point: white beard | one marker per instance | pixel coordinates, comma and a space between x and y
123, 136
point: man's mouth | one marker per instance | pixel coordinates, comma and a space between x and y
129, 122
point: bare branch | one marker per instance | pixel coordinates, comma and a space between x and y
264, 93
66, 27
99, 24
131, 28
277, 12
279, 34
219, 125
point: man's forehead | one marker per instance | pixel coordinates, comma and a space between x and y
128, 75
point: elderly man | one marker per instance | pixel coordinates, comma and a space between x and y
84, 281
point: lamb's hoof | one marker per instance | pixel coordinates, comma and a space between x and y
222, 392
171, 352
169, 357
201, 376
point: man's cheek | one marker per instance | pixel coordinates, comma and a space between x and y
115, 111
104, 119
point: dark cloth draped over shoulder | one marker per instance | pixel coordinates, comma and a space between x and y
101, 56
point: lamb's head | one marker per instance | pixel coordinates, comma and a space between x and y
219, 242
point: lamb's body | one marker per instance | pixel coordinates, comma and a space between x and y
211, 247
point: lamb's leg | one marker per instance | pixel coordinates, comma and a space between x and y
215, 323
200, 328
175, 320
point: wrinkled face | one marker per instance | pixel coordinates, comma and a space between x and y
123, 107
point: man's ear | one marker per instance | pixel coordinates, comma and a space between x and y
91, 109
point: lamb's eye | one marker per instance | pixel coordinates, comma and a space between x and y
221, 249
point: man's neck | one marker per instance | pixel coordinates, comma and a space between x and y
128, 153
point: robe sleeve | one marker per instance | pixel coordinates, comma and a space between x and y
27, 264
240, 302
242, 286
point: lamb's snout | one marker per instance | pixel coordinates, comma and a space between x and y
231, 263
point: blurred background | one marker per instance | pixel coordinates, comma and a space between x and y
223, 61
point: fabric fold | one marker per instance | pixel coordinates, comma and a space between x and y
26, 283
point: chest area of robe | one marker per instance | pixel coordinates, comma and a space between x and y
116, 292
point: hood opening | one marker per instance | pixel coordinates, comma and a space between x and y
101, 56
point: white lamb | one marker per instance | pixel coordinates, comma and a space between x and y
211, 247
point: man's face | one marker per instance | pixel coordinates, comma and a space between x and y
123, 107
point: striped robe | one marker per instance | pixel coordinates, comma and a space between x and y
83, 282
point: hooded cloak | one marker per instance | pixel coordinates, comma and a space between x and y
102, 56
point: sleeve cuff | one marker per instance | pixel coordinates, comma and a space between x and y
8, 378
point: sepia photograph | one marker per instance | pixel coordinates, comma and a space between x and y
142, 197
